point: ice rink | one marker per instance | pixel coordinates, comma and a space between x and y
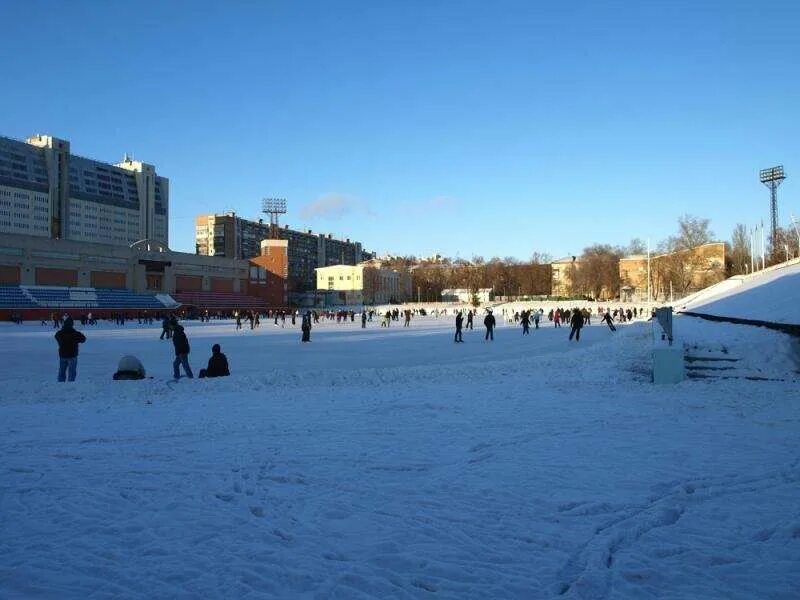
393, 463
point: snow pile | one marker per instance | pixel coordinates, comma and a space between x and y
393, 463
772, 295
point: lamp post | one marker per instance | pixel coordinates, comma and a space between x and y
772, 178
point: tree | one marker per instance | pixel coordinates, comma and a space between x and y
636, 246
739, 251
692, 232
598, 274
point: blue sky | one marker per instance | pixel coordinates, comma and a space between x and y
464, 127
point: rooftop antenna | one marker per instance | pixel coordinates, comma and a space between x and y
274, 207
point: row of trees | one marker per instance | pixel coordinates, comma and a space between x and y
595, 273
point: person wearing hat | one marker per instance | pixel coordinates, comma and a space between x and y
129, 367
68, 340
217, 364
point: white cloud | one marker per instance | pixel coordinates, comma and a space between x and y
333, 206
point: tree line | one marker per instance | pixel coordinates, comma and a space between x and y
595, 273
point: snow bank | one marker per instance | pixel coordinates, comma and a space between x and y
772, 295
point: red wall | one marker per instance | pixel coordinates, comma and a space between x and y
106, 279
9, 275
188, 283
66, 277
221, 284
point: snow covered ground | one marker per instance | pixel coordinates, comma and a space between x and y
770, 295
395, 464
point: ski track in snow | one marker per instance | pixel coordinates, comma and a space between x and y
395, 464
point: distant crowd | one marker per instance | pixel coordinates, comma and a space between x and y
69, 339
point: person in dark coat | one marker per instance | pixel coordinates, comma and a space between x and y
68, 340
607, 318
165, 329
305, 326
489, 322
181, 343
459, 322
469, 319
363, 319
526, 322
576, 320
217, 364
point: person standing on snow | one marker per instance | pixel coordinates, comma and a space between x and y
489, 322
459, 322
536, 316
526, 322
577, 322
305, 327
363, 319
181, 343
469, 319
68, 340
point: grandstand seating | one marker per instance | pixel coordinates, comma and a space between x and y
14, 297
11, 296
219, 300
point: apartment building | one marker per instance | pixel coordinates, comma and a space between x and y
47, 191
235, 237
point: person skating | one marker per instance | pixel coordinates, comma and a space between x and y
68, 340
129, 368
238, 321
557, 318
217, 364
469, 319
165, 329
489, 321
363, 319
305, 326
181, 343
536, 316
576, 320
607, 319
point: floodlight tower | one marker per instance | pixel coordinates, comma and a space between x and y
772, 178
273, 207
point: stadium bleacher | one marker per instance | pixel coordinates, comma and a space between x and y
11, 296
219, 300
62, 298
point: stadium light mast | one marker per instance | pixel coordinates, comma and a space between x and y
273, 207
772, 178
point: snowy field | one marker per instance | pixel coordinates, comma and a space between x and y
395, 464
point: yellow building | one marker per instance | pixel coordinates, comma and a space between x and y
672, 275
365, 283
562, 273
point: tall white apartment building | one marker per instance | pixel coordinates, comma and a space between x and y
47, 191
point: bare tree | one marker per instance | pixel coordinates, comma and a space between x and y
739, 251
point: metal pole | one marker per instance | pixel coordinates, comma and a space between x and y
752, 250
797, 231
648, 270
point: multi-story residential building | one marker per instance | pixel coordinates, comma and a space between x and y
234, 237
47, 191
